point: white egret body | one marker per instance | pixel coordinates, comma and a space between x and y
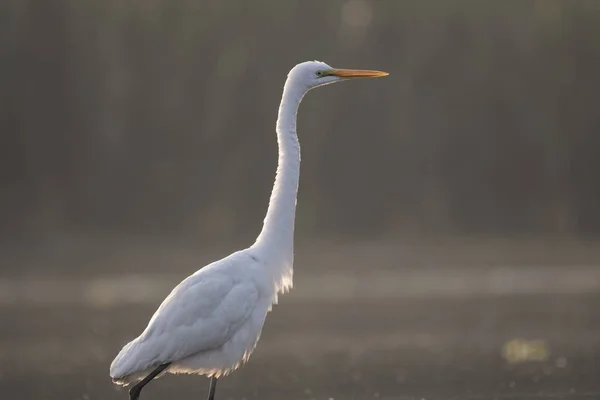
211, 322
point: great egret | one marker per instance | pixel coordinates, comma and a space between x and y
211, 322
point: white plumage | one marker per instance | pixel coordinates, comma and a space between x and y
211, 322
207, 325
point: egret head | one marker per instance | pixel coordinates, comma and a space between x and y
312, 74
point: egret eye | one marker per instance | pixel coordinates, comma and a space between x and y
320, 74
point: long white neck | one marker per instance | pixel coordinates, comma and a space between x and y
276, 240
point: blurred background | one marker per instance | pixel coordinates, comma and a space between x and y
447, 226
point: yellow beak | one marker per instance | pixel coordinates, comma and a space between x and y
356, 73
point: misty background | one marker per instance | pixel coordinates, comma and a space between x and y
157, 117
447, 224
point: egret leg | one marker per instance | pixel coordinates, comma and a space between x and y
211, 389
134, 392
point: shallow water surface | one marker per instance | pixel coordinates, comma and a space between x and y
519, 346
345, 332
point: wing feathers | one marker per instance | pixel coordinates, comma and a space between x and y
200, 314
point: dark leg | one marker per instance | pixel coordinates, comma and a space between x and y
211, 390
134, 392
